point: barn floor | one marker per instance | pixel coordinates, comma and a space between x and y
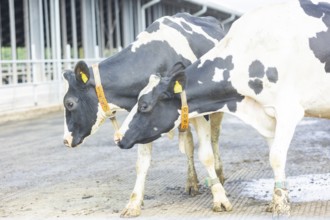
41, 178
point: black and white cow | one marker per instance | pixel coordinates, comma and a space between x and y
271, 70
170, 39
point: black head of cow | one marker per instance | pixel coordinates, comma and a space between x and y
79, 99
156, 111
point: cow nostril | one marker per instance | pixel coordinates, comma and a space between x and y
118, 137
66, 142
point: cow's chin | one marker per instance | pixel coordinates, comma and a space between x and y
76, 142
123, 144
126, 143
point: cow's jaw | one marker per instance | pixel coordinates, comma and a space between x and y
118, 136
67, 134
100, 119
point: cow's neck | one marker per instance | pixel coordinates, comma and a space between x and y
121, 85
125, 74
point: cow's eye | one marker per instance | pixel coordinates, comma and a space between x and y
143, 107
70, 105
164, 95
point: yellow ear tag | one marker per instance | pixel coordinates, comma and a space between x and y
84, 77
177, 87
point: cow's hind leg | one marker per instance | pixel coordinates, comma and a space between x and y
215, 120
286, 122
205, 153
192, 180
133, 208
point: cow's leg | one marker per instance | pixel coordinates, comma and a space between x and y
192, 180
215, 120
286, 122
205, 153
133, 208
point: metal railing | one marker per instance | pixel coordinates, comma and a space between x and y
34, 83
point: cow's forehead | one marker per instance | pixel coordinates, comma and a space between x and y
153, 82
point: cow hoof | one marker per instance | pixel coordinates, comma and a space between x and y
280, 205
192, 187
270, 206
129, 213
222, 206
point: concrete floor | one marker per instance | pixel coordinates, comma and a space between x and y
41, 178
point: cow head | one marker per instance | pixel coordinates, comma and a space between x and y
82, 116
156, 112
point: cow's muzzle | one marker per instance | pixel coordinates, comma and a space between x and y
66, 143
69, 141
121, 141
117, 137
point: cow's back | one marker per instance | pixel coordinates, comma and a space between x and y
274, 56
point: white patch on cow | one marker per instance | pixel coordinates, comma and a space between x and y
67, 135
124, 127
304, 188
196, 29
315, 1
199, 82
155, 129
101, 116
218, 75
166, 33
142, 166
153, 82
270, 110
100, 119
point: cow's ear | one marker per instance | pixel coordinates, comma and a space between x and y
178, 67
177, 82
66, 75
82, 72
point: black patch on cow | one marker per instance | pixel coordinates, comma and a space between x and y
272, 74
256, 69
128, 69
207, 117
221, 93
210, 27
256, 85
319, 44
154, 27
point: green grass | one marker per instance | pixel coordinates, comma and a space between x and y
20, 53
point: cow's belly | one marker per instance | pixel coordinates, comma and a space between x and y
319, 108
315, 99
318, 113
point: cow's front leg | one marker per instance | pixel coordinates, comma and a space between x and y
205, 154
133, 208
192, 180
286, 122
215, 120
